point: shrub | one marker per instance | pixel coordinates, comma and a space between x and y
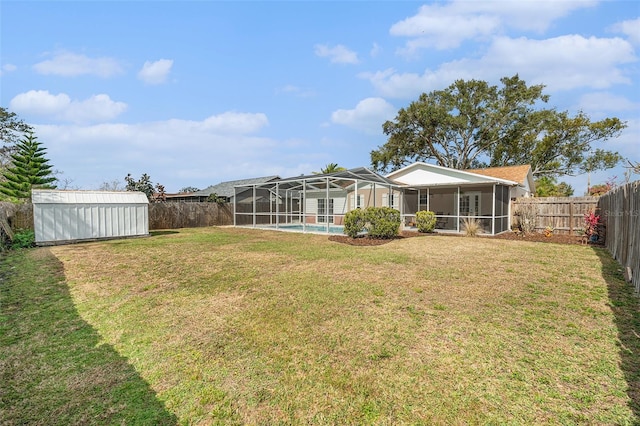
528, 215
426, 221
471, 226
354, 222
23, 238
591, 221
382, 222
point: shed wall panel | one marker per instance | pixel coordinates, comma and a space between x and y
64, 217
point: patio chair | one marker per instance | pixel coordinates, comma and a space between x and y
441, 222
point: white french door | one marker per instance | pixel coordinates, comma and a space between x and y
470, 204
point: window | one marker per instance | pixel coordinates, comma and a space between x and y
360, 202
325, 214
391, 200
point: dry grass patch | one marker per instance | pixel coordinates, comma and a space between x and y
258, 327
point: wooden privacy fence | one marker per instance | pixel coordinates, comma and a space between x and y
15, 216
189, 215
620, 212
564, 214
161, 215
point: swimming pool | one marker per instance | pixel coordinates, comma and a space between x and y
322, 229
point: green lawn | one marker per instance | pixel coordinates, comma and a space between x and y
237, 326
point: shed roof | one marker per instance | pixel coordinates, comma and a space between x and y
51, 196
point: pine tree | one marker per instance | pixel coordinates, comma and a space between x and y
29, 169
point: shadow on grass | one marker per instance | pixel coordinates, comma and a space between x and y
625, 306
53, 367
157, 233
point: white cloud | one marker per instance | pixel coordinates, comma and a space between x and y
155, 72
561, 63
94, 109
174, 152
442, 30
630, 28
338, 54
446, 26
367, 116
236, 122
69, 64
296, 91
604, 103
375, 50
6, 68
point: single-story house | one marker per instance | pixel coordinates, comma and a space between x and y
456, 195
224, 190
320, 202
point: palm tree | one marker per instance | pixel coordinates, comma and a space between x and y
330, 168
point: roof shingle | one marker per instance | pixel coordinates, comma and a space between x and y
513, 173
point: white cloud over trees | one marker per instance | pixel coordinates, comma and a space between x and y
561, 63
97, 108
367, 116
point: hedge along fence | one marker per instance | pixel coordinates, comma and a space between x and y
620, 212
161, 215
189, 215
564, 214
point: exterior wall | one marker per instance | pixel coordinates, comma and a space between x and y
54, 223
374, 198
68, 216
340, 206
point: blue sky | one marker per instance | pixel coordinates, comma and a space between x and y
194, 93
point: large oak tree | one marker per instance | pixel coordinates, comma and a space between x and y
472, 124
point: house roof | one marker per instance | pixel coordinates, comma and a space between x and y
226, 189
513, 173
425, 174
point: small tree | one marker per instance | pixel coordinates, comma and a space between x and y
160, 194
215, 198
114, 185
188, 189
547, 186
330, 168
29, 169
144, 184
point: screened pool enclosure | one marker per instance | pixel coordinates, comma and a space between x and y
319, 203
312, 203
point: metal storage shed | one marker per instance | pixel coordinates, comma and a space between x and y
70, 216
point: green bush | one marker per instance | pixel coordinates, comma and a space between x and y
23, 238
382, 222
426, 221
354, 222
